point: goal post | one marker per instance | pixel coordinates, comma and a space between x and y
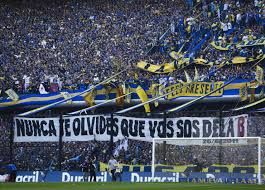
220, 159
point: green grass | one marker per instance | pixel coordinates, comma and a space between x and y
127, 186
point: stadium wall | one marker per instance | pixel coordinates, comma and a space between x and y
194, 177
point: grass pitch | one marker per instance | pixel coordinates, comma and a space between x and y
127, 186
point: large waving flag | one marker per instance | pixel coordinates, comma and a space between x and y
180, 62
163, 68
257, 42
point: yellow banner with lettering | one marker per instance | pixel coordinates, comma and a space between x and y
193, 89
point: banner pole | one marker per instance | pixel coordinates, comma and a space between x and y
11, 138
220, 127
164, 142
60, 143
249, 105
153, 160
111, 135
259, 161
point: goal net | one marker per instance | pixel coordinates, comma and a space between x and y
209, 160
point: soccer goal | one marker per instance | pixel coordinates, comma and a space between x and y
218, 160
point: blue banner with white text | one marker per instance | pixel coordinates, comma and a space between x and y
193, 177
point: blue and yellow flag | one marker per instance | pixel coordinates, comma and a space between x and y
180, 63
258, 42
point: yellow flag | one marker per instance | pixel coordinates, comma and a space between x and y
90, 97
162, 68
259, 74
12, 95
196, 77
144, 98
187, 77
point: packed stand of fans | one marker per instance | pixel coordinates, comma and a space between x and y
45, 156
73, 44
5, 126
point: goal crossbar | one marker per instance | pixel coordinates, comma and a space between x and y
259, 142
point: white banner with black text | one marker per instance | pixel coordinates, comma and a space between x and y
102, 127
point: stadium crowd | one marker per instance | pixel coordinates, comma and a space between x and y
71, 44
45, 156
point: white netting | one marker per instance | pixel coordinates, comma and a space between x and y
225, 159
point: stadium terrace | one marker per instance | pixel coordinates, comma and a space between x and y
132, 91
